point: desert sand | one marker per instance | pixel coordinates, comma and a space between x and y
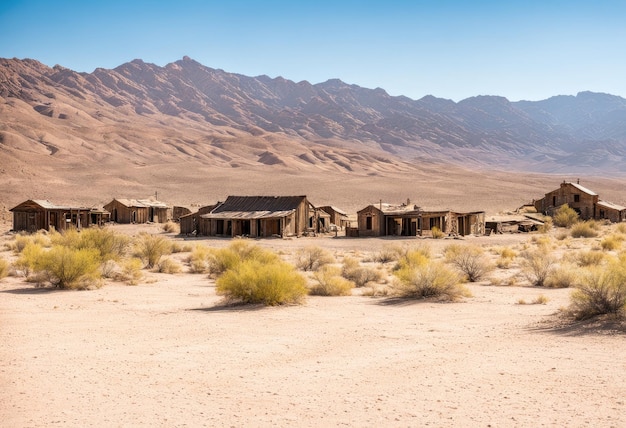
167, 352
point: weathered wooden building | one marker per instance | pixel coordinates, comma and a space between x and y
259, 216
178, 212
411, 220
138, 211
337, 217
190, 223
35, 214
585, 202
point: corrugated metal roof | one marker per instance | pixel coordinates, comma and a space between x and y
141, 203
256, 207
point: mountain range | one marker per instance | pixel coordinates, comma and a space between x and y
107, 125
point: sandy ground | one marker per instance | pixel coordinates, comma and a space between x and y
167, 353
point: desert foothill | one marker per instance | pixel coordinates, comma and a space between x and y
185, 246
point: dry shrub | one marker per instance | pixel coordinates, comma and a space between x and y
621, 228
565, 216
168, 265
584, 229
255, 281
313, 258
23, 239
429, 279
30, 259
437, 233
150, 248
329, 282
389, 253
199, 259
470, 260
413, 258
4, 268
360, 275
131, 271
563, 276
547, 226
170, 227
611, 243
537, 265
540, 300
602, 291
589, 258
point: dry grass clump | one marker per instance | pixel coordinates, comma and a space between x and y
547, 226
168, 265
565, 216
170, 227
224, 259
131, 271
177, 247
329, 282
602, 291
563, 276
539, 300
360, 275
621, 228
589, 258
470, 260
199, 260
312, 258
420, 277
4, 268
612, 242
537, 264
23, 239
69, 268
506, 257
389, 253
150, 248
584, 229
437, 233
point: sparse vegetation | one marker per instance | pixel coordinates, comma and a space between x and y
389, 253
199, 260
611, 242
437, 233
470, 260
360, 275
312, 258
131, 271
170, 227
547, 226
224, 259
329, 282
4, 268
564, 216
602, 291
537, 265
168, 265
589, 258
563, 276
424, 278
150, 248
70, 268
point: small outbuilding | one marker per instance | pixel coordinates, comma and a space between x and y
338, 217
138, 211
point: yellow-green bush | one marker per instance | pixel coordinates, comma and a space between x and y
70, 268
329, 282
255, 281
312, 258
109, 244
537, 265
30, 259
224, 259
150, 248
429, 279
565, 216
389, 253
413, 258
470, 260
171, 227
584, 229
547, 225
602, 291
23, 239
437, 233
360, 275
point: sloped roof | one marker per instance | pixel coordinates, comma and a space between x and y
256, 207
45, 204
141, 203
584, 189
335, 209
611, 205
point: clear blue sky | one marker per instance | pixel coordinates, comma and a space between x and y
520, 49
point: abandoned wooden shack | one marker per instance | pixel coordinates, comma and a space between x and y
337, 217
178, 212
411, 220
138, 211
260, 216
190, 223
585, 202
35, 214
